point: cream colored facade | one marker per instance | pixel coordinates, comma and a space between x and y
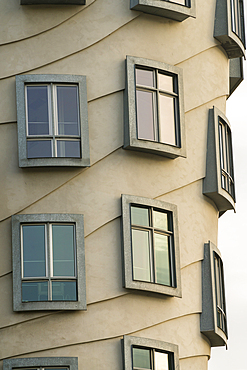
94, 40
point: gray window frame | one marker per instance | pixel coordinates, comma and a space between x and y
53, 2
40, 362
128, 281
236, 73
167, 9
208, 320
80, 81
131, 140
128, 342
17, 221
212, 186
223, 32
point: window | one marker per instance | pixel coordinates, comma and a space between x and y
229, 27
177, 10
52, 120
53, 2
150, 240
41, 363
48, 262
236, 74
154, 109
219, 181
213, 317
143, 353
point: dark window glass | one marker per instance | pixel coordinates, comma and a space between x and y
67, 108
33, 250
68, 149
63, 250
37, 110
34, 291
39, 149
64, 291
141, 358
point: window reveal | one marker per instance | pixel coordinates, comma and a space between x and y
53, 122
157, 106
220, 293
152, 245
48, 262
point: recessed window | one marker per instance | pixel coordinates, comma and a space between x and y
41, 363
151, 260
52, 124
144, 353
229, 27
219, 181
154, 120
213, 317
51, 264
177, 10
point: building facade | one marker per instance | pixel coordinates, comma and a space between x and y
116, 163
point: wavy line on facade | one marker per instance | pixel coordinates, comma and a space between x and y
49, 29
102, 339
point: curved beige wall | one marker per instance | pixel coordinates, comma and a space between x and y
93, 40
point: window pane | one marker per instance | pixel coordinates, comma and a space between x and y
37, 110
141, 358
165, 82
63, 250
39, 149
33, 250
139, 216
161, 361
160, 220
167, 120
67, 109
144, 77
162, 265
64, 291
182, 2
145, 115
141, 255
68, 149
34, 291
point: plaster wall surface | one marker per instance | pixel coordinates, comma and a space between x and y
93, 40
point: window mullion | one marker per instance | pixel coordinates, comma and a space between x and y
152, 254
53, 117
49, 258
157, 121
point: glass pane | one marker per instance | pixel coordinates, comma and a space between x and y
33, 238
39, 149
37, 110
67, 110
145, 115
68, 149
162, 265
165, 82
64, 291
160, 220
167, 120
63, 250
182, 2
144, 77
161, 361
55, 368
141, 358
139, 216
141, 255
34, 291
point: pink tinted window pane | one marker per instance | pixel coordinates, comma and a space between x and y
145, 116
144, 77
167, 120
165, 82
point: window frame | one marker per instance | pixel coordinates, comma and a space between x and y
208, 321
168, 9
233, 44
131, 140
40, 362
236, 73
128, 342
212, 183
24, 80
22, 219
53, 2
128, 279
